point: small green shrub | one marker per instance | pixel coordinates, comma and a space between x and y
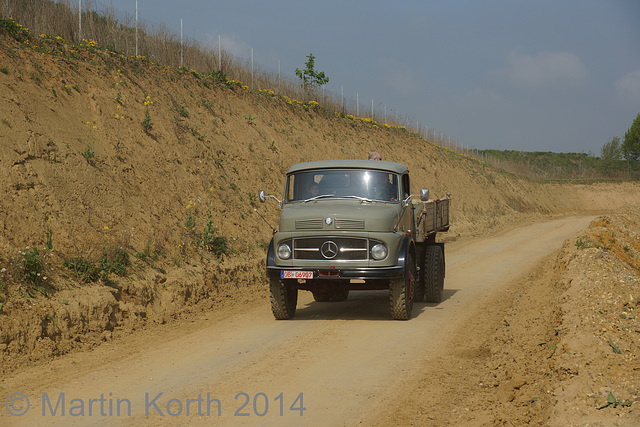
217, 76
88, 271
49, 244
584, 242
146, 123
190, 223
15, 30
89, 154
182, 110
217, 245
83, 268
147, 252
32, 266
120, 261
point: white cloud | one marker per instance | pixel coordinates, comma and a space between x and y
545, 70
628, 86
401, 77
231, 44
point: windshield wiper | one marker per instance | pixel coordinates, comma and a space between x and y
322, 196
363, 199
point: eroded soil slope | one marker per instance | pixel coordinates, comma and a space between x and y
559, 348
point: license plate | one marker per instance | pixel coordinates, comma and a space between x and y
289, 274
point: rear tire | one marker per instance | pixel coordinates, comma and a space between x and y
401, 292
434, 274
420, 263
284, 298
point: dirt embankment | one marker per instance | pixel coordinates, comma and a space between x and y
559, 348
85, 175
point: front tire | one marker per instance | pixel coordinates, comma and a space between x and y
284, 298
401, 292
434, 274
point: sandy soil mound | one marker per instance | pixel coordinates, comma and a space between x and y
559, 348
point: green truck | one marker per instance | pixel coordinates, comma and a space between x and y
355, 225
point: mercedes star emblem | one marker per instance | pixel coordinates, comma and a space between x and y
329, 249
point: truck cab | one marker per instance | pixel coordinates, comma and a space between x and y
346, 225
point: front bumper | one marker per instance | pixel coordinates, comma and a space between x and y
365, 273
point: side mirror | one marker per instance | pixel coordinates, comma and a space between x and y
263, 197
424, 194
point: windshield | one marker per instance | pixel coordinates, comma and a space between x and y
342, 183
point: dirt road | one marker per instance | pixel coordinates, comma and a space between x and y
333, 364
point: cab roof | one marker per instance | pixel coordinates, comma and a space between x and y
350, 164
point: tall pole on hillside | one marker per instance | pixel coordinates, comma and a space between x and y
136, 28
180, 42
219, 54
251, 68
79, 21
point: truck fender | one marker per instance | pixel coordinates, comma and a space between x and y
405, 247
271, 260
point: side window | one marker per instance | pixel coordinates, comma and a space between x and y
406, 188
291, 188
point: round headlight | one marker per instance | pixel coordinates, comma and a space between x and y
284, 251
379, 252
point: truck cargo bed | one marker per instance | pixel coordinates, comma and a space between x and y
431, 216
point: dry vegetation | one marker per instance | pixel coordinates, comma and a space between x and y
116, 32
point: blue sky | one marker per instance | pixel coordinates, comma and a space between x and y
538, 75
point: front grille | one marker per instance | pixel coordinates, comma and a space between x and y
331, 248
